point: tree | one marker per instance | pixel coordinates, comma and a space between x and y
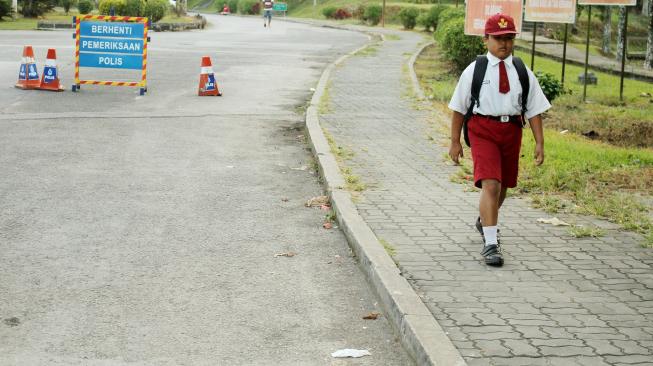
648, 63
607, 29
35, 8
620, 31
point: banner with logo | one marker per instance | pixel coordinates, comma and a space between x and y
550, 11
478, 11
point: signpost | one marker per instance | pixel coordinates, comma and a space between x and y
550, 11
477, 12
111, 42
587, 45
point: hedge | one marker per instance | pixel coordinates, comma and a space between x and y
459, 48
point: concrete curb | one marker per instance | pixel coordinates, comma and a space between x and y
413, 75
420, 333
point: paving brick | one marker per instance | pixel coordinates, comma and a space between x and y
566, 351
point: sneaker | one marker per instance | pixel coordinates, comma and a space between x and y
479, 227
492, 255
265, 25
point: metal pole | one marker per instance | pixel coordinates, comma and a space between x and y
587, 49
383, 15
533, 47
623, 57
564, 57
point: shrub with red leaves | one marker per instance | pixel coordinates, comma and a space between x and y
342, 14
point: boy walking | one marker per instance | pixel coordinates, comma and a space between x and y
495, 126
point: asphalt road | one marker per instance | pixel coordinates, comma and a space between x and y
143, 230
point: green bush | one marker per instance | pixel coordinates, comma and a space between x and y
372, 14
551, 86
106, 5
233, 6
459, 48
251, 7
450, 13
134, 8
155, 10
35, 8
408, 17
85, 6
5, 8
66, 5
329, 12
429, 20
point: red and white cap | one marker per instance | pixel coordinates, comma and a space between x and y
499, 24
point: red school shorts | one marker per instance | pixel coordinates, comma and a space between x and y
495, 150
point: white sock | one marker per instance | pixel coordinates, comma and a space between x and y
490, 234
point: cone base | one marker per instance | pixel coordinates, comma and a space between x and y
26, 87
209, 94
49, 88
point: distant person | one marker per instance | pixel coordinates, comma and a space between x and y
267, 12
225, 10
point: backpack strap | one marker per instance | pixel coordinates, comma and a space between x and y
525, 86
479, 74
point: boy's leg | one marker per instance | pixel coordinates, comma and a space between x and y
490, 201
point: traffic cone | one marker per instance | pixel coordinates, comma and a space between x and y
28, 76
50, 77
208, 85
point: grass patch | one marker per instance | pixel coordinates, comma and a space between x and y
324, 107
340, 152
21, 23
392, 37
331, 216
368, 51
611, 181
388, 248
59, 16
626, 123
586, 232
352, 182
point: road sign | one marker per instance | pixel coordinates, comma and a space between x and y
550, 11
477, 12
280, 7
111, 42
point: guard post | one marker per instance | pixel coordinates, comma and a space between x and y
111, 42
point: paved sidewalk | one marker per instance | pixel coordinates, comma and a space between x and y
557, 301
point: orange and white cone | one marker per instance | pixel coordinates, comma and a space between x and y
50, 77
28, 76
208, 84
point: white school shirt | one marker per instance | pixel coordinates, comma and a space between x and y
493, 103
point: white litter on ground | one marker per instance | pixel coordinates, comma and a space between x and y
348, 352
553, 221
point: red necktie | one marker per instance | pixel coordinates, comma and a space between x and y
504, 84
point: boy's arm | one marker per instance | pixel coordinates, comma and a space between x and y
538, 134
456, 149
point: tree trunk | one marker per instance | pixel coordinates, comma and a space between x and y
646, 6
607, 29
620, 31
648, 63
